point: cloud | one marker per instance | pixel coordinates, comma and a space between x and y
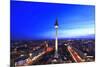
71, 33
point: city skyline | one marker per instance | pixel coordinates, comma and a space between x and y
35, 20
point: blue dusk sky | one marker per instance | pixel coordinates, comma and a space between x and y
35, 20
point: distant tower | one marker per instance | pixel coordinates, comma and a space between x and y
56, 40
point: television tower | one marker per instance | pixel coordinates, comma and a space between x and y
56, 39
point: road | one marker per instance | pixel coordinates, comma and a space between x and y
74, 54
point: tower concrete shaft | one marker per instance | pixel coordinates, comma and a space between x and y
56, 42
56, 39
